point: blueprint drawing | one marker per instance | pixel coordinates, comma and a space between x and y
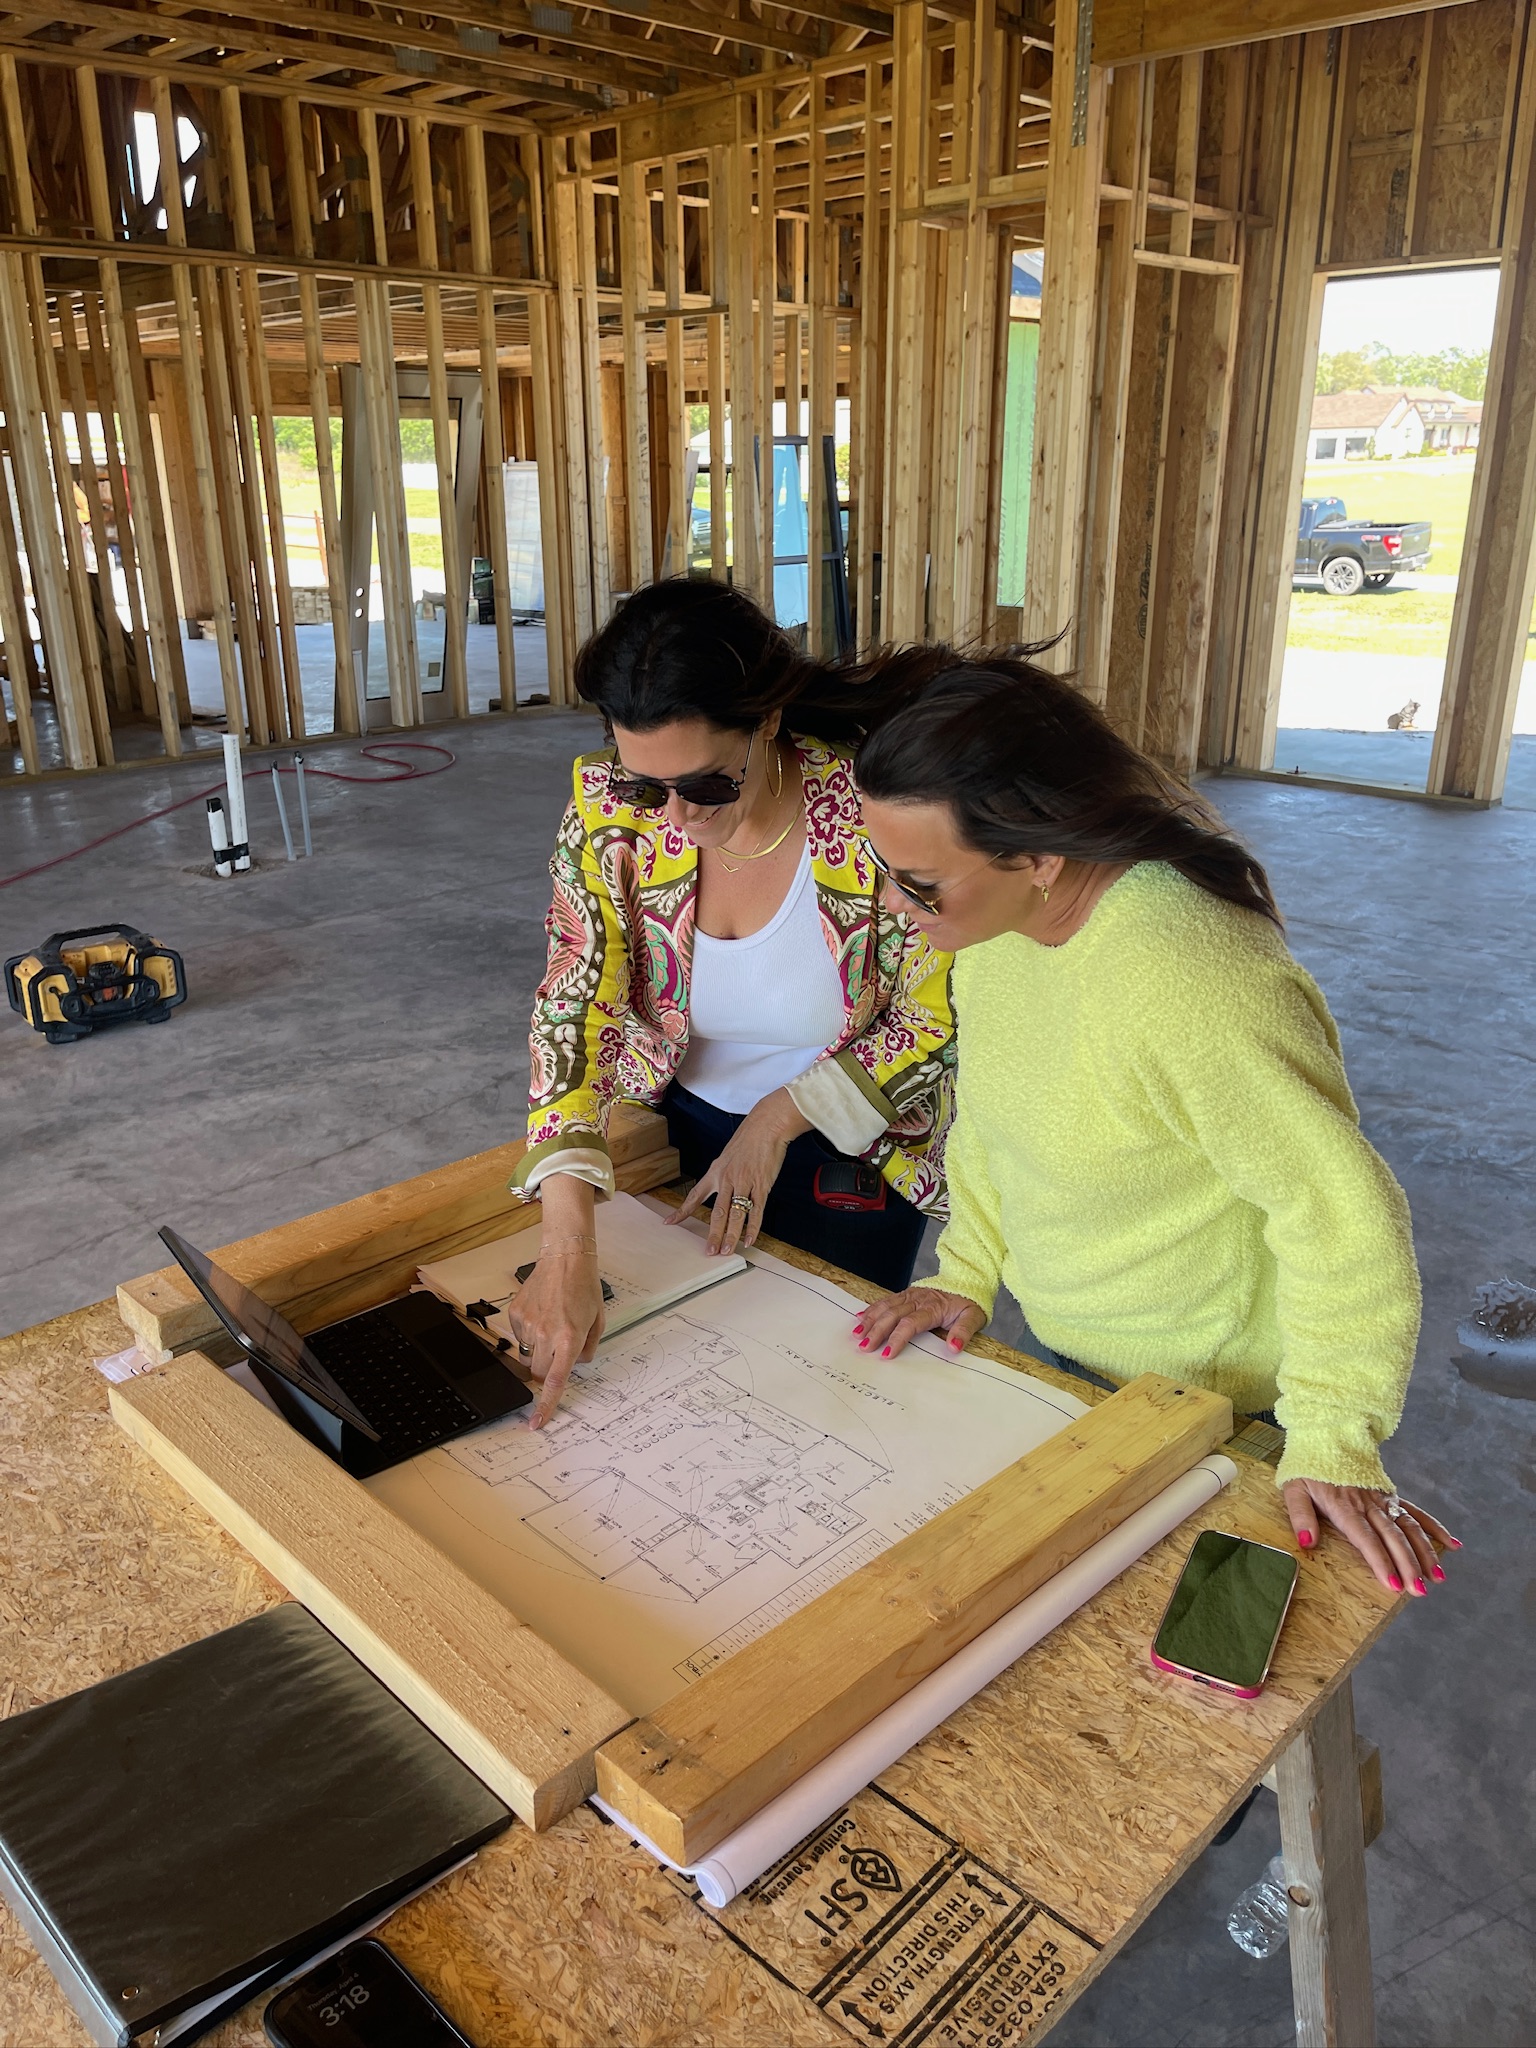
709, 1471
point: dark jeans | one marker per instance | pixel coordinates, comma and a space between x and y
1047, 1356
880, 1245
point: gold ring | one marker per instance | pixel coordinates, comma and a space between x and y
742, 1202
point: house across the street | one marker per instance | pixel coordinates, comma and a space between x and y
1403, 420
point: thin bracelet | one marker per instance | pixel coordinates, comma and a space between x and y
581, 1242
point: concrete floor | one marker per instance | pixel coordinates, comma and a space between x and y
361, 1017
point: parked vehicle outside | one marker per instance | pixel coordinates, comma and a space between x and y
1350, 555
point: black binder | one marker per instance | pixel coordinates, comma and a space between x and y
204, 1822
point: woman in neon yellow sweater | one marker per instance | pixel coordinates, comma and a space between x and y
1154, 1145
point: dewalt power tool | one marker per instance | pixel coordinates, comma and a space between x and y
106, 974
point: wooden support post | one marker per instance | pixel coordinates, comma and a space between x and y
108, 374
549, 447
252, 355
986, 276
120, 680
720, 279
1068, 323
767, 252
16, 634
1491, 617
868, 453
492, 449
46, 372
302, 204
116, 353
381, 403
1118, 293
246, 476
635, 279
560, 186
677, 397
30, 470
904, 580
456, 584
821, 349
152, 551
746, 501
1279, 353
592, 393
719, 1750
1323, 1841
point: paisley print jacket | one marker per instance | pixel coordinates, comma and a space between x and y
610, 1020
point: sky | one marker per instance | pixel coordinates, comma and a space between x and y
1414, 313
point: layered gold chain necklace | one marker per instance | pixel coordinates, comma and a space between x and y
761, 852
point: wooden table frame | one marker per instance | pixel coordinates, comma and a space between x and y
1081, 1781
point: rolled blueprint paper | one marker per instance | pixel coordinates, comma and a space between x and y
759, 1843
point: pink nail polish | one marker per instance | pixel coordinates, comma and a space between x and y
1394, 1582
863, 1343
1454, 1541
1420, 1588
955, 1344
886, 1352
1306, 1539
1435, 1572
858, 1329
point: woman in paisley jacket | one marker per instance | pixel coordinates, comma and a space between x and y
719, 947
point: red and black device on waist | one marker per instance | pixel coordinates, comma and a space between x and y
846, 1184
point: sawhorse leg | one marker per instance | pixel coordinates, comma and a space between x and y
1321, 1834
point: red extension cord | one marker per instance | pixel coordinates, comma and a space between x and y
378, 750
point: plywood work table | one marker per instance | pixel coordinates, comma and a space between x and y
966, 1899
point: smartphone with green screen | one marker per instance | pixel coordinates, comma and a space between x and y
1227, 1611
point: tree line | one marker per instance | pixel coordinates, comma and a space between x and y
1380, 368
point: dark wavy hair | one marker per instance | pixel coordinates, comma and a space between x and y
680, 649
1027, 765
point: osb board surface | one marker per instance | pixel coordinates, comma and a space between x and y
1045, 1818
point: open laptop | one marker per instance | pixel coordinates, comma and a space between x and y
374, 1389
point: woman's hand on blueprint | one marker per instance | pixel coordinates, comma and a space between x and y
889, 1326
742, 1178
557, 1316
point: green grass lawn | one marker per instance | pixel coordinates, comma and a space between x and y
1389, 621
1432, 487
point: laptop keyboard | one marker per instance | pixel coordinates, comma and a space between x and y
392, 1383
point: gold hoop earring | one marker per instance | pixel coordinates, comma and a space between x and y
779, 791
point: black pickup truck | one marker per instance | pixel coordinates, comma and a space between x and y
1350, 555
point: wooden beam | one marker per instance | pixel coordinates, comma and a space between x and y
1068, 323
1497, 587
1127, 31
512, 1708
714, 1755
635, 269
1323, 1841
192, 356
374, 1242
456, 586
493, 453
302, 206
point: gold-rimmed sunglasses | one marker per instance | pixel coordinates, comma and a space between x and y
933, 904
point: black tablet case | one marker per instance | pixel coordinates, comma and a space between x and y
236, 1805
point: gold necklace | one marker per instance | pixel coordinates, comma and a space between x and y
760, 852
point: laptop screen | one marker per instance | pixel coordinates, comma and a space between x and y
259, 1329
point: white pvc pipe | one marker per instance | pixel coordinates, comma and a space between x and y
759, 1843
218, 832
234, 783
282, 809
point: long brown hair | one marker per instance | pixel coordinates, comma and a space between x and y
1027, 765
681, 649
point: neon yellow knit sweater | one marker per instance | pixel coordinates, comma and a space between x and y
1156, 1148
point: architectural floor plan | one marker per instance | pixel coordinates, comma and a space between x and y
712, 1469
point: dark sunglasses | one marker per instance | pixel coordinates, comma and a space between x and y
649, 793
931, 903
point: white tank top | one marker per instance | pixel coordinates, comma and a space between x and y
764, 1008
